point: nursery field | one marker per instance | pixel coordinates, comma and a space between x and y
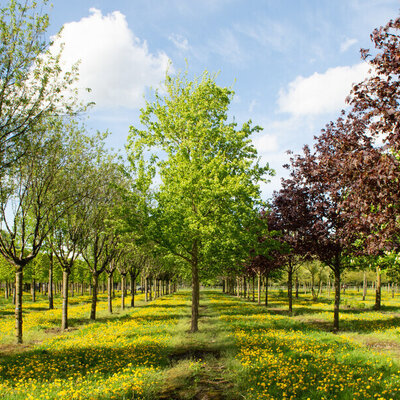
242, 350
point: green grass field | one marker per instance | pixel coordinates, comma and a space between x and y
242, 351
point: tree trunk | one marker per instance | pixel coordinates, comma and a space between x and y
195, 290
50, 290
365, 284
378, 294
254, 289
18, 303
95, 285
133, 288
123, 291
146, 290
312, 288
64, 314
13, 288
319, 286
109, 292
290, 285
33, 290
297, 284
266, 290
7, 290
329, 286
259, 288
337, 295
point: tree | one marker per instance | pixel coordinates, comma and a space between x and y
101, 233
289, 216
364, 148
34, 193
67, 235
321, 225
32, 84
209, 171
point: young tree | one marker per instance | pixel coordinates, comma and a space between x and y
321, 223
289, 216
32, 84
101, 233
209, 171
67, 235
33, 195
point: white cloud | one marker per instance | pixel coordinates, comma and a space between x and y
179, 41
266, 143
321, 93
114, 63
347, 44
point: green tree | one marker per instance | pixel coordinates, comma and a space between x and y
209, 171
102, 231
34, 194
32, 84
67, 236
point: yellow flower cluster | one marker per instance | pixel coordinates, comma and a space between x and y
283, 359
292, 364
112, 359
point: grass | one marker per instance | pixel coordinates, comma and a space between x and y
242, 350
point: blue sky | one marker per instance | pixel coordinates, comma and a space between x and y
290, 62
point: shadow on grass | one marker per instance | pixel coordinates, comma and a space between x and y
48, 365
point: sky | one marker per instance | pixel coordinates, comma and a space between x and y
291, 63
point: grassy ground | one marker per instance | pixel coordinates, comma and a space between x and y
242, 351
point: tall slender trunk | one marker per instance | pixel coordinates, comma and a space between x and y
195, 298
337, 294
146, 290
329, 286
195, 290
109, 291
297, 284
33, 290
13, 289
123, 291
95, 285
258, 288
133, 288
319, 286
378, 294
7, 290
290, 285
18, 303
254, 289
365, 284
266, 290
314, 296
64, 313
50, 290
